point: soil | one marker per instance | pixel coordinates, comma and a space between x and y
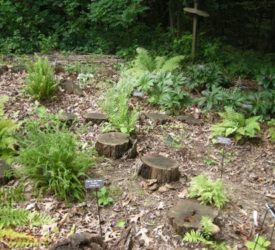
249, 168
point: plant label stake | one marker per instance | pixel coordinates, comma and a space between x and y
270, 209
223, 141
95, 184
195, 12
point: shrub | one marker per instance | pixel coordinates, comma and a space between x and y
40, 80
235, 124
208, 191
7, 131
51, 157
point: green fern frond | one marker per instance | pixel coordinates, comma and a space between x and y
194, 237
144, 61
172, 64
20, 240
21, 217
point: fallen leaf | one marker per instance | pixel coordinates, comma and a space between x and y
142, 233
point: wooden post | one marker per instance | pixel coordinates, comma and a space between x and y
195, 12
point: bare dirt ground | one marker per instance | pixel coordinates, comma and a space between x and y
249, 169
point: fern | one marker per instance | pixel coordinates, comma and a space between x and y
19, 240
271, 129
21, 217
208, 191
7, 130
144, 62
262, 244
10, 195
235, 124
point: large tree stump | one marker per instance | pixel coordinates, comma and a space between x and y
113, 145
187, 214
159, 167
95, 118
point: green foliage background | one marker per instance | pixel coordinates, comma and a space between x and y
119, 25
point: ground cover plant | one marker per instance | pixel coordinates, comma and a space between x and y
40, 82
235, 124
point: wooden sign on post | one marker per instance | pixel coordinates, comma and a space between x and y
195, 12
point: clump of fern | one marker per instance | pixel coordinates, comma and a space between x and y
116, 107
7, 132
10, 216
11, 195
40, 81
204, 235
271, 129
208, 191
145, 62
235, 124
20, 240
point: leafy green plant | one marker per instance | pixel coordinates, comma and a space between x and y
235, 124
40, 81
271, 129
262, 243
20, 217
11, 195
104, 198
208, 191
116, 107
7, 131
80, 68
204, 235
266, 79
202, 76
51, 157
146, 63
121, 223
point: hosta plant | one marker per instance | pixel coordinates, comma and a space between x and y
40, 81
235, 124
208, 191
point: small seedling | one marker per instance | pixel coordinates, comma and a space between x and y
209, 162
260, 243
103, 197
121, 223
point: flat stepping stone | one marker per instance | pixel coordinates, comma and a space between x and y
113, 145
67, 118
187, 214
189, 120
5, 169
159, 167
96, 118
158, 118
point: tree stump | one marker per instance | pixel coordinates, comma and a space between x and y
95, 118
5, 169
113, 145
159, 167
187, 214
189, 120
71, 87
158, 118
67, 118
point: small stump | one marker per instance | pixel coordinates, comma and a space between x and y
189, 120
95, 118
187, 214
80, 241
113, 145
5, 168
158, 118
67, 118
159, 167
70, 87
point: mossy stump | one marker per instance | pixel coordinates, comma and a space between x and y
113, 145
187, 214
95, 118
159, 167
67, 118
